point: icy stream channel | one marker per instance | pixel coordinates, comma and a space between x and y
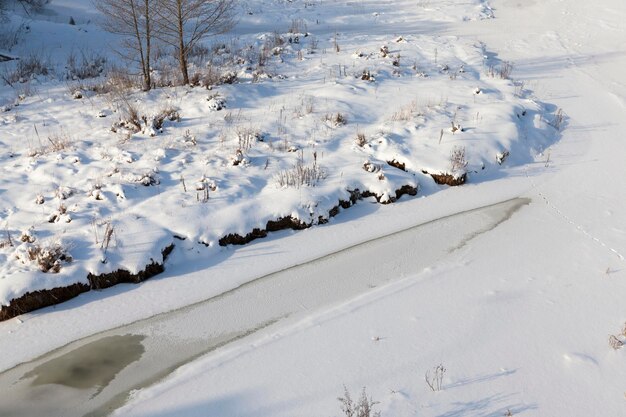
93, 376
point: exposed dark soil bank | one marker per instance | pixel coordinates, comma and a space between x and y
98, 282
289, 222
448, 179
44, 298
40, 299
397, 164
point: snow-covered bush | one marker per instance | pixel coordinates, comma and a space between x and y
154, 123
228, 77
405, 113
10, 35
504, 71
238, 158
361, 139
363, 408
60, 215
457, 159
58, 141
301, 174
7, 242
26, 69
335, 120
371, 167
615, 343
247, 137
85, 66
146, 179
434, 380
559, 119
117, 81
216, 102
130, 119
48, 257
367, 76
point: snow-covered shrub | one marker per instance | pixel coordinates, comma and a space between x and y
216, 102
504, 71
363, 408
84, 67
405, 113
247, 137
146, 179
156, 121
63, 193
58, 142
130, 119
501, 157
48, 257
189, 138
301, 174
203, 187
199, 54
26, 69
60, 215
615, 343
228, 77
361, 139
167, 74
10, 35
559, 119
335, 120
7, 242
238, 158
367, 76
371, 167
3, 16
457, 159
455, 127
27, 236
435, 380
208, 76
298, 26
116, 81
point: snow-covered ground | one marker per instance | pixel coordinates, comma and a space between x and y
296, 136
519, 316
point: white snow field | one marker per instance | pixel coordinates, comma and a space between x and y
515, 294
296, 137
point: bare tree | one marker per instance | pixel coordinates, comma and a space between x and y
3, 15
131, 19
183, 23
34, 5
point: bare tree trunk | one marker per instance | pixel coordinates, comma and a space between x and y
182, 53
147, 82
139, 40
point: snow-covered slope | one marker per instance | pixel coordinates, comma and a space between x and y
519, 316
351, 100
